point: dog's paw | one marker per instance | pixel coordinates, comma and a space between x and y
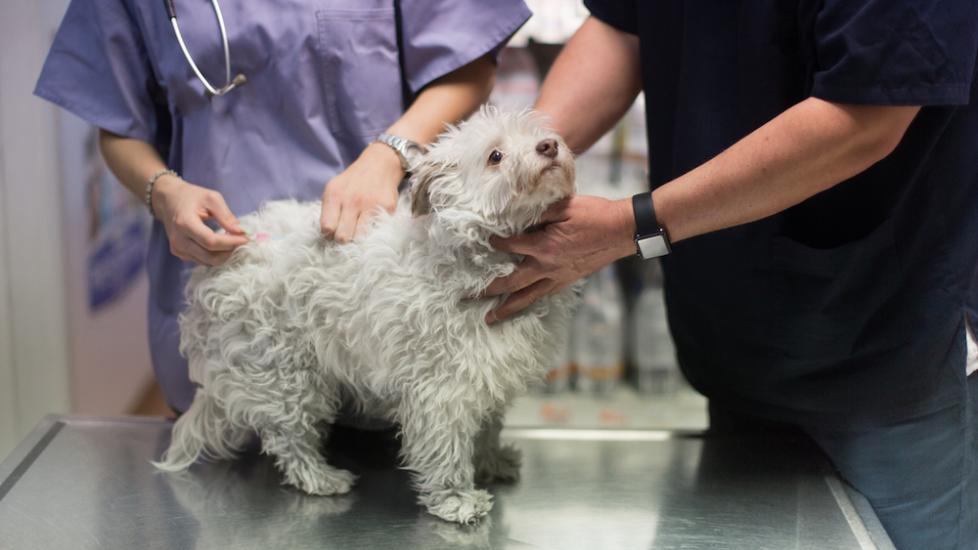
321, 481
440, 534
466, 507
502, 464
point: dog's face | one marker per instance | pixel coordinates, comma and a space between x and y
505, 167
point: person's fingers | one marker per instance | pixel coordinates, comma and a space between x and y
347, 226
193, 228
520, 300
363, 222
176, 248
527, 273
191, 251
218, 209
330, 218
201, 256
525, 244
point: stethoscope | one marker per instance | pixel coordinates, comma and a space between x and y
229, 83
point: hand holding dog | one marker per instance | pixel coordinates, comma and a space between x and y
183, 207
582, 234
350, 199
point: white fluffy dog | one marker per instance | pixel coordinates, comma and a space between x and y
293, 326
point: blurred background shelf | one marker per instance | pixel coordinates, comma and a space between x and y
622, 407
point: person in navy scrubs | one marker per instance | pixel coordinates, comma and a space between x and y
815, 166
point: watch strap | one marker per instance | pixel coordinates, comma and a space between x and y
651, 239
645, 221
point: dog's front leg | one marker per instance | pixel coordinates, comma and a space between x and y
438, 439
493, 460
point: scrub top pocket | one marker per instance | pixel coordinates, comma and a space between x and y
361, 76
829, 305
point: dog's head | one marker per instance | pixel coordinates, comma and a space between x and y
507, 168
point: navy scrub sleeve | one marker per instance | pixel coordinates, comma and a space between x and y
895, 52
621, 15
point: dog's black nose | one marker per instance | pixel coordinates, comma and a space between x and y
547, 148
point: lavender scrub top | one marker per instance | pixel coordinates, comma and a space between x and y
323, 81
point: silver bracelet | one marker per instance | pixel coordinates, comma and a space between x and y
152, 182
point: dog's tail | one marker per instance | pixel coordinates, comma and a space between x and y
202, 431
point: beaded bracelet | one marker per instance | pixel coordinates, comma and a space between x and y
152, 182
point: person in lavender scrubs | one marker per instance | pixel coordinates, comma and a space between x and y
323, 80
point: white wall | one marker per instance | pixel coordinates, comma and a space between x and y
33, 330
8, 404
55, 355
109, 352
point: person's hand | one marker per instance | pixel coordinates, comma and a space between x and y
582, 235
182, 208
351, 198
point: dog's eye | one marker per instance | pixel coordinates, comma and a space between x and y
495, 157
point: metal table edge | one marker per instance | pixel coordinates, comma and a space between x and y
45, 430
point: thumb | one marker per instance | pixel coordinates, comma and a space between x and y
220, 211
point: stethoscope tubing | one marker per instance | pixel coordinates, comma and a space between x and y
229, 83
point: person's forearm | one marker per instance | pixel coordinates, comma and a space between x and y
132, 161
592, 83
448, 99
804, 151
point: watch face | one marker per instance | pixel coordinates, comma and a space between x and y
652, 246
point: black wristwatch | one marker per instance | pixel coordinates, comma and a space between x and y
651, 239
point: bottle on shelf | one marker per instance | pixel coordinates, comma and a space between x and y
598, 345
652, 352
561, 372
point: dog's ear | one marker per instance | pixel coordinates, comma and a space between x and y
422, 176
420, 200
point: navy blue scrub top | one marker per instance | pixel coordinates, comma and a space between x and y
848, 308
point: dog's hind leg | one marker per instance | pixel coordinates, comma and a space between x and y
297, 456
292, 437
438, 439
493, 460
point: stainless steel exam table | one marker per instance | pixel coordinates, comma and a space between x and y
85, 483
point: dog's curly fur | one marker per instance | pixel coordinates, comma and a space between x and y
294, 326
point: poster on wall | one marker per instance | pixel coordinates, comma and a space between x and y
117, 230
